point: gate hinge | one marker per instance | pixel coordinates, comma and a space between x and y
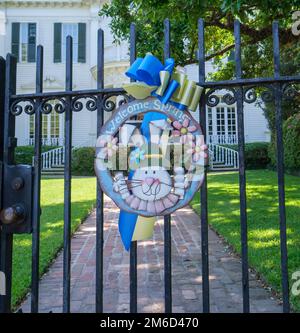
16, 215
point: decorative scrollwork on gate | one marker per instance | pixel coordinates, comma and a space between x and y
109, 105
258, 93
77, 102
290, 91
249, 95
125, 99
25, 104
213, 99
230, 97
90, 103
49, 104
267, 95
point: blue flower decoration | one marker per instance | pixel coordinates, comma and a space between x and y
137, 155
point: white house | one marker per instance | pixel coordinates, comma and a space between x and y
27, 23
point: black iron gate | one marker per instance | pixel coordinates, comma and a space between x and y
20, 188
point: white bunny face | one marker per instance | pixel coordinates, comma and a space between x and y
136, 175
151, 183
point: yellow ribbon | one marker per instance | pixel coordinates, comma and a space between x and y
188, 93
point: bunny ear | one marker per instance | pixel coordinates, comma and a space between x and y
137, 138
155, 133
160, 131
125, 133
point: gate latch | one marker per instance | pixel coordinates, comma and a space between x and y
16, 215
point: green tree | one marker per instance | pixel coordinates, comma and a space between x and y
256, 17
256, 28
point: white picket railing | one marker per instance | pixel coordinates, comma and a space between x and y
222, 139
219, 157
48, 141
56, 157
222, 157
53, 158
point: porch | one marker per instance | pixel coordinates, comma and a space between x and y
214, 139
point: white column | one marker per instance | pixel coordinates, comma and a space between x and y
93, 31
95, 20
2, 32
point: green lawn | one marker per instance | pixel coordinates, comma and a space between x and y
83, 199
263, 221
223, 192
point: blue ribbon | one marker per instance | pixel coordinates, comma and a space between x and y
127, 221
147, 70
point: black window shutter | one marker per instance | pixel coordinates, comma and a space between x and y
57, 42
81, 42
15, 39
31, 42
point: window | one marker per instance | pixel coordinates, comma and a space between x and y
221, 124
209, 122
231, 120
220, 121
23, 41
78, 33
70, 29
51, 128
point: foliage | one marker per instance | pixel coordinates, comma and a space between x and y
291, 137
256, 27
256, 19
290, 65
52, 223
256, 154
263, 224
83, 161
24, 154
291, 140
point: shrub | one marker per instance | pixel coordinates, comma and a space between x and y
83, 161
272, 152
291, 140
256, 154
24, 154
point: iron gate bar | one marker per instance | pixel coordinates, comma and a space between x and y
207, 84
242, 171
67, 176
99, 202
167, 218
133, 245
277, 86
8, 158
2, 102
37, 186
2, 93
203, 190
73, 93
280, 171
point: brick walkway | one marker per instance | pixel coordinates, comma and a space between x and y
225, 272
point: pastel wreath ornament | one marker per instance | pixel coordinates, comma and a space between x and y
108, 145
150, 186
183, 130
